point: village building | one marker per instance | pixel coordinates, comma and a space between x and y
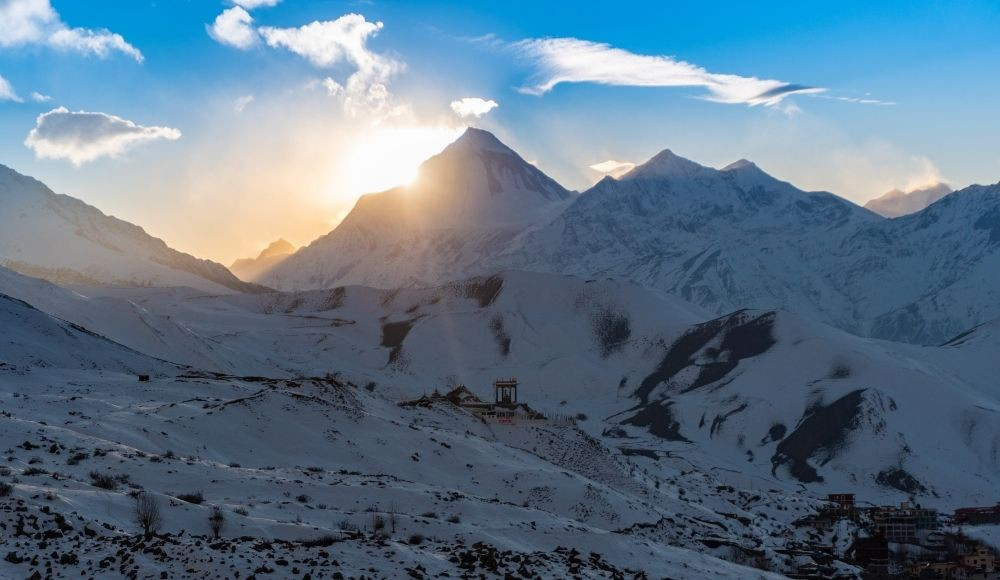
841, 505
504, 410
901, 524
982, 559
978, 515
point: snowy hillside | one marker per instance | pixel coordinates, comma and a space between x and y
468, 202
929, 276
649, 372
32, 338
677, 444
93, 249
126, 322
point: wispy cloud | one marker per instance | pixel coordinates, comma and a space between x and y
860, 101
254, 4
39, 97
35, 22
613, 168
571, 60
241, 103
473, 106
83, 136
7, 92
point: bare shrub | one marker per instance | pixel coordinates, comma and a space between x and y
378, 523
216, 521
195, 497
393, 516
147, 513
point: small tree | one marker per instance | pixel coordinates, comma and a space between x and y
393, 516
147, 513
216, 520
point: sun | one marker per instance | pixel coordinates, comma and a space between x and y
387, 157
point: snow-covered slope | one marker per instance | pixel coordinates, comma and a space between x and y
66, 241
648, 372
251, 269
928, 276
468, 202
896, 202
125, 322
31, 338
661, 418
768, 391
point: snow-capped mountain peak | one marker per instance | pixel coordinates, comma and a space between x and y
896, 202
478, 166
479, 140
468, 201
666, 163
740, 164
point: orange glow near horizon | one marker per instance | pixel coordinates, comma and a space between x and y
388, 157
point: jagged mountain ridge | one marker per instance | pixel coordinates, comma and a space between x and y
738, 238
66, 241
723, 239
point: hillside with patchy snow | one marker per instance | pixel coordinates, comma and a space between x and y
769, 394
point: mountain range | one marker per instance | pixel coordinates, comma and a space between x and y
723, 239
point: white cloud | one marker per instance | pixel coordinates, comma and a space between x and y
27, 22
473, 107
7, 92
234, 27
613, 168
570, 60
333, 88
253, 4
330, 43
242, 102
325, 44
39, 97
83, 136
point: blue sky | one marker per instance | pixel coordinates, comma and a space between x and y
220, 148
